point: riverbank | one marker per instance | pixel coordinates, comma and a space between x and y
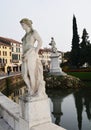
9, 84
66, 81
84, 76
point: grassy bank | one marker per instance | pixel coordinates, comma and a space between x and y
81, 75
84, 76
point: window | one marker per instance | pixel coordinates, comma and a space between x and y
6, 60
12, 49
10, 61
15, 56
0, 60
10, 53
19, 49
3, 53
16, 49
3, 60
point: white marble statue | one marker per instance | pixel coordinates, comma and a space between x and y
32, 69
53, 45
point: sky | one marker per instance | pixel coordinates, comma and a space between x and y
51, 18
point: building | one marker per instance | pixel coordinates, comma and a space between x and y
5, 56
16, 55
44, 55
11, 52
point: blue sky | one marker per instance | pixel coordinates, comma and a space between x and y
51, 18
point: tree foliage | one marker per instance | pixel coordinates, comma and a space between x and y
75, 51
85, 39
80, 51
85, 49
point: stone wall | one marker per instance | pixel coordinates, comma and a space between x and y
9, 84
65, 82
9, 111
11, 114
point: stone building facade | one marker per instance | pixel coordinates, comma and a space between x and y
10, 54
44, 55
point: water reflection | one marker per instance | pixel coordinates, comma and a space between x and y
57, 112
57, 97
69, 108
81, 102
79, 108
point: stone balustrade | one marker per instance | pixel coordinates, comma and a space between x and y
9, 111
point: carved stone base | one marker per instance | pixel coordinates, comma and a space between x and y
33, 112
47, 126
54, 66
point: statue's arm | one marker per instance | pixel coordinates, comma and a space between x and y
39, 40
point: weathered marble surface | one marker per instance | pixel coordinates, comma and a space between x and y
9, 111
39, 115
32, 69
53, 45
55, 65
34, 112
47, 126
4, 125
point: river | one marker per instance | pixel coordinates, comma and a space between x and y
71, 108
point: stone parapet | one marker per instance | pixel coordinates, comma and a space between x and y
9, 111
34, 116
47, 126
34, 112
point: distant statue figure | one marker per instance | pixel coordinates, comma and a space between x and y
32, 69
53, 44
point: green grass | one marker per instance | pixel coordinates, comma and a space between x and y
81, 75
84, 76
88, 84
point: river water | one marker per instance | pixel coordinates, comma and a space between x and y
71, 108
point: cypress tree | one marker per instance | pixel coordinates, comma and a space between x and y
75, 51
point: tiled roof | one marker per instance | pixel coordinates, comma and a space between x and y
5, 44
46, 50
8, 40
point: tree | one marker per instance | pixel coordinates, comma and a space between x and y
85, 38
66, 58
85, 49
75, 52
88, 58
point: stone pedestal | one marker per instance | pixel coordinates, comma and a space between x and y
47, 126
54, 65
33, 112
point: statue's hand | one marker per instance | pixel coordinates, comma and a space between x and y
23, 58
